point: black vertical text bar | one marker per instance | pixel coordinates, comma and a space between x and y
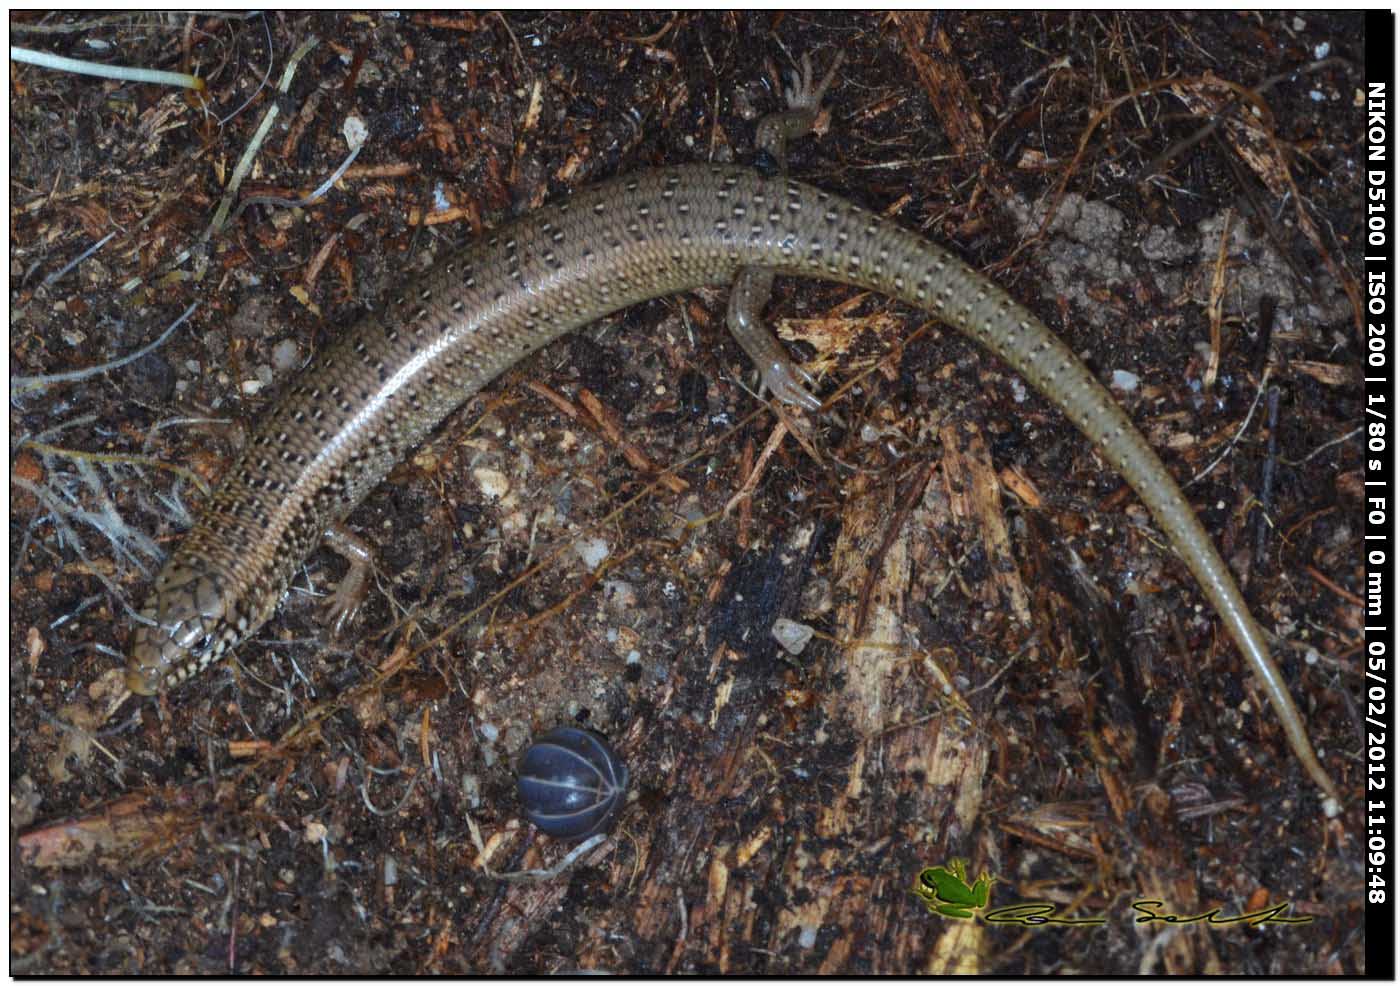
1378, 411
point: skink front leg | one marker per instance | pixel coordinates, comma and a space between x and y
350, 592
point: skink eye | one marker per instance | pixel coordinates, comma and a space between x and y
571, 783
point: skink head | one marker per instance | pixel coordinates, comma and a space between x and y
188, 623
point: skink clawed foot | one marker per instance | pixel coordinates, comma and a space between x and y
804, 101
345, 601
789, 383
802, 93
353, 588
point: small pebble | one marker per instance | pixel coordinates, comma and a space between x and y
285, 355
592, 550
493, 482
792, 636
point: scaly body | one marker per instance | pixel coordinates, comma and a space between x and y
378, 391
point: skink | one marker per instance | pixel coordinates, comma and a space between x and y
378, 390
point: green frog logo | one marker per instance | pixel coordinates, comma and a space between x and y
947, 892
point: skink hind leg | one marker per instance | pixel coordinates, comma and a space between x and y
353, 588
804, 98
752, 288
787, 381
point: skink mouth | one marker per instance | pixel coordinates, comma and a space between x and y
182, 631
142, 677
159, 659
